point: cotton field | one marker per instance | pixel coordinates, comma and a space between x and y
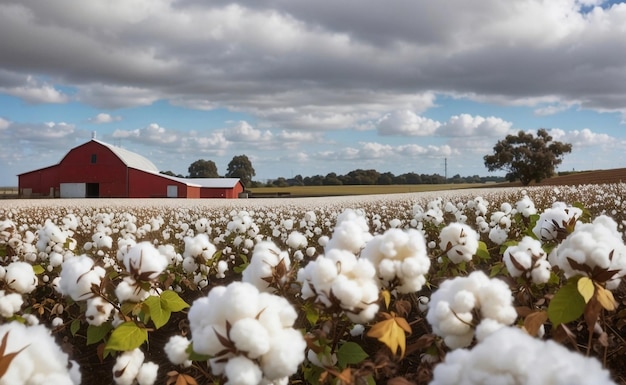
507, 286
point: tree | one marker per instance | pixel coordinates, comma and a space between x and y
527, 157
241, 167
203, 169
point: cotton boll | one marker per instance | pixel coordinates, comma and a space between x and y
144, 261
498, 235
296, 240
127, 367
77, 276
130, 290
284, 356
21, 277
10, 303
98, 311
242, 371
266, 256
554, 219
528, 255
101, 240
250, 336
147, 373
459, 241
176, 350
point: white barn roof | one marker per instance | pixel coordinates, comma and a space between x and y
131, 159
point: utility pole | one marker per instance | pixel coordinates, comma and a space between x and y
445, 166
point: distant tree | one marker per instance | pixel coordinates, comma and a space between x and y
331, 179
241, 167
280, 182
171, 173
527, 157
203, 169
385, 178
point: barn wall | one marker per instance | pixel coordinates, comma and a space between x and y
40, 182
108, 171
207, 192
147, 185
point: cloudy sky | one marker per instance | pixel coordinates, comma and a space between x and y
311, 87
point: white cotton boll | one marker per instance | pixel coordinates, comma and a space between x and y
40, 362
10, 303
497, 360
190, 265
266, 256
77, 276
285, 355
222, 268
56, 259
176, 350
311, 251
459, 241
242, 371
56, 322
169, 252
541, 273
498, 235
597, 245
487, 327
357, 330
526, 206
553, 219
296, 240
323, 240
464, 301
250, 336
127, 367
198, 246
395, 223
101, 240
144, 260
147, 373
130, 290
98, 311
530, 256
21, 277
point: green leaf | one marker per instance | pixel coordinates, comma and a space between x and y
482, 252
74, 326
38, 269
158, 313
97, 333
350, 353
127, 336
171, 301
567, 304
311, 312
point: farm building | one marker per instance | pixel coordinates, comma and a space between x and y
99, 170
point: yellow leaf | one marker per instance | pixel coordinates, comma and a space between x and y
585, 288
606, 299
391, 332
387, 297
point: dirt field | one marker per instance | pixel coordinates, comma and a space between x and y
616, 175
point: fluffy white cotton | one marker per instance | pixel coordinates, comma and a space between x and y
511, 356
596, 244
176, 350
49, 235
339, 278
297, 240
10, 303
266, 256
130, 289
198, 249
526, 206
98, 311
41, 362
401, 257
147, 373
452, 307
261, 327
144, 261
459, 242
528, 260
21, 277
77, 275
127, 366
552, 222
350, 233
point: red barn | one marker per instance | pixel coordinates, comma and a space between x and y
99, 170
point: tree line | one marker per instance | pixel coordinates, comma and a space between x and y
525, 157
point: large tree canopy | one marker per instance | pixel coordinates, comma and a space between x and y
241, 167
527, 157
203, 169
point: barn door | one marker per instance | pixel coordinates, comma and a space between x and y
172, 191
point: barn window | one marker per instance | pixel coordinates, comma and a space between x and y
94, 157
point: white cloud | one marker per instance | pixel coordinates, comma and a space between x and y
468, 125
4, 124
386, 152
35, 92
244, 132
151, 134
104, 118
111, 96
406, 123
582, 138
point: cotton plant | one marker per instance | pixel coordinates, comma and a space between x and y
527, 260
269, 268
556, 222
130, 368
339, 280
37, 357
466, 307
459, 242
198, 251
248, 334
400, 258
593, 250
511, 356
351, 232
20, 277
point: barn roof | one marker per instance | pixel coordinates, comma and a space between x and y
214, 182
130, 159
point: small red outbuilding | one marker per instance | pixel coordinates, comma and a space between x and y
99, 170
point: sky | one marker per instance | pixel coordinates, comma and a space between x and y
311, 87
